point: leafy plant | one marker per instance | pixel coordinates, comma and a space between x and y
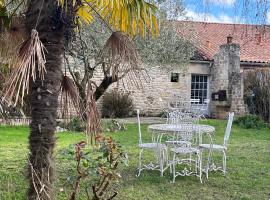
114, 126
76, 124
257, 92
250, 121
103, 163
117, 104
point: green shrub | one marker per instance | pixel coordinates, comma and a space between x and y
76, 124
250, 121
257, 92
116, 104
114, 126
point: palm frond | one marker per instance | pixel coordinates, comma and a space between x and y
123, 60
122, 53
93, 121
2, 77
70, 98
129, 16
10, 40
29, 63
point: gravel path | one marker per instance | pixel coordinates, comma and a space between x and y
144, 120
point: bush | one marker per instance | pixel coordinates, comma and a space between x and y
250, 121
116, 104
257, 92
114, 126
76, 124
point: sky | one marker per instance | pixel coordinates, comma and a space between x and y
228, 11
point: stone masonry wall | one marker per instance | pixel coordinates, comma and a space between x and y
158, 91
226, 75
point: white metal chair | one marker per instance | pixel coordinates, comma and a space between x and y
219, 148
204, 108
183, 148
160, 150
180, 118
194, 105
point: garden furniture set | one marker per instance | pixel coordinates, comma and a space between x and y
179, 146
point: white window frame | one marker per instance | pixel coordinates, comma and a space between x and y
207, 88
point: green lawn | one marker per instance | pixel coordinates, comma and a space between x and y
248, 166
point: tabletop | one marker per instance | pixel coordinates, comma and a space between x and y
172, 128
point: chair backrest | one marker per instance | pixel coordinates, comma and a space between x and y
178, 117
194, 101
139, 126
195, 105
190, 118
184, 137
173, 117
206, 101
228, 129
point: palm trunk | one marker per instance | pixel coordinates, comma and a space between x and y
44, 98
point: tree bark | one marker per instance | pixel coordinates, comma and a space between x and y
106, 82
44, 97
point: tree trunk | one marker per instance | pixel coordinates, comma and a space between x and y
106, 82
44, 97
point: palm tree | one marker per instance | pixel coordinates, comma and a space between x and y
53, 20
44, 97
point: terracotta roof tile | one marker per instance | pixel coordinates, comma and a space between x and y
207, 38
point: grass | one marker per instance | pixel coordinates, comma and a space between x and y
248, 167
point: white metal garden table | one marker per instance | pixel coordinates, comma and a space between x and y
172, 128
158, 130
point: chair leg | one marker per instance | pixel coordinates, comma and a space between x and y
190, 157
199, 160
170, 164
173, 167
170, 168
161, 160
209, 160
140, 163
167, 158
224, 162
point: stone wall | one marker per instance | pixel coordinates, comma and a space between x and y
157, 92
154, 94
226, 75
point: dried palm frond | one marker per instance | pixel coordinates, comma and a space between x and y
70, 98
120, 45
2, 77
10, 40
122, 52
93, 121
29, 64
123, 60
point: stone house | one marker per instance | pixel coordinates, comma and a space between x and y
215, 72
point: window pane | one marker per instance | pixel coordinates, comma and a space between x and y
201, 85
205, 94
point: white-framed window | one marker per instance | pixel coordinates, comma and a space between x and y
199, 87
